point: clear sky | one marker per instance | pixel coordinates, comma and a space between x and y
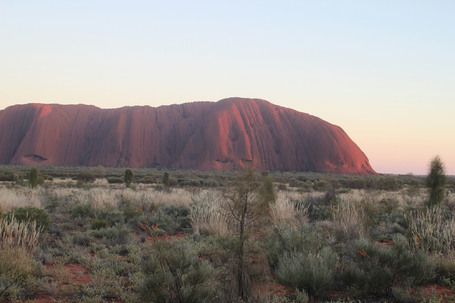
382, 70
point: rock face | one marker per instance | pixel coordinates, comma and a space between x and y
229, 134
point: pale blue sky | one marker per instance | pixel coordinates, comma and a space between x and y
382, 70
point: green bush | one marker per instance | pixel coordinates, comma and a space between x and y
117, 235
114, 180
306, 270
300, 259
148, 180
375, 270
82, 210
98, 224
176, 274
86, 177
7, 176
28, 214
171, 218
81, 238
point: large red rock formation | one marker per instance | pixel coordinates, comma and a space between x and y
230, 134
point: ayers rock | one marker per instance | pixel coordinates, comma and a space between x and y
229, 134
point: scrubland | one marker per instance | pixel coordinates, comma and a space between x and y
83, 236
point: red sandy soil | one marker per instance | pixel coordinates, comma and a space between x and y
74, 274
447, 294
229, 134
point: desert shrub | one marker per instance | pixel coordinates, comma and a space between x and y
190, 183
374, 269
210, 183
98, 224
81, 238
7, 176
28, 214
170, 218
118, 234
300, 259
82, 210
172, 182
180, 215
445, 267
130, 213
112, 216
389, 183
174, 273
85, 177
384, 218
310, 271
321, 185
319, 208
432, 230
148, 180
114, 180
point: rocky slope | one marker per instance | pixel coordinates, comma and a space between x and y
229, 134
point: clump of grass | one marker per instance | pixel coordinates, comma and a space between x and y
349, 221
285, 209
206, 215
17, 234
20, 197
18, 241
432, 230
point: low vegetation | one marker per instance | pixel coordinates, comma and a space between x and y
147, 235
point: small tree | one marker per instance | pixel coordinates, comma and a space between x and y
128, 177
33, 177
267, 194
436, 181
244, 211
166, 178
